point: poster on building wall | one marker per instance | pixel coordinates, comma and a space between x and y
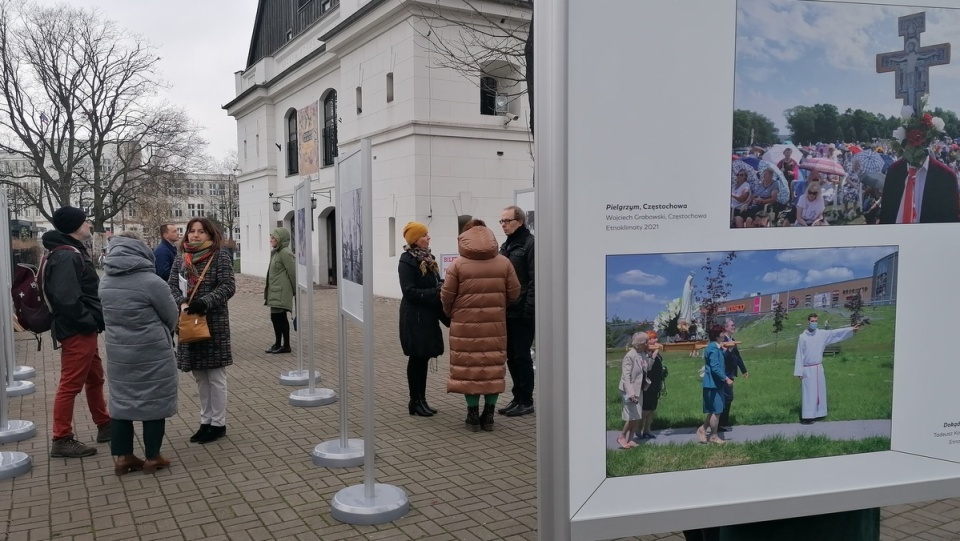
738, 188
445, 261
309, 144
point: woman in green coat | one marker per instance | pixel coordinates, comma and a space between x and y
281, 284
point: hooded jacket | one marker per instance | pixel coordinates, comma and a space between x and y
140, 316
476, 291
70, 284
281, 273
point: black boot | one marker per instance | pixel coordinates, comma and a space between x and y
486, 418
473, 418
416, 407
423, 400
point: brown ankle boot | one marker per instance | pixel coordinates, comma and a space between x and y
127, 463
151, 465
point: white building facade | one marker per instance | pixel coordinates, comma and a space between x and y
440, 150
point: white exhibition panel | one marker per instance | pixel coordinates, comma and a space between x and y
650, 102
303, 215
349, 179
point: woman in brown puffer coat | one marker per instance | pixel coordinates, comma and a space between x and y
478, 287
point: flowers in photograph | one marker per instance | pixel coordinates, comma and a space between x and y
917, 130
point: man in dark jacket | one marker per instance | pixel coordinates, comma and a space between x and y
518, 248
70, 285
166, 250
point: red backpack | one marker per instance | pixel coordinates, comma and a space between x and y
30, 305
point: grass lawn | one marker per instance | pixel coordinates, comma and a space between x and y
859, 386
691, 456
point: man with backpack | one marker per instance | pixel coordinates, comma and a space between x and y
70, 285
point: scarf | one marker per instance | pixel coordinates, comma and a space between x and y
425, 259
194, 258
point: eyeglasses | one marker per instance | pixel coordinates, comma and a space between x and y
502, 222
813, 193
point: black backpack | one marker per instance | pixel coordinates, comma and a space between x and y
30, 305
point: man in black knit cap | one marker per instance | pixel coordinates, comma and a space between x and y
71, 284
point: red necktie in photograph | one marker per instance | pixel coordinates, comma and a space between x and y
909, 213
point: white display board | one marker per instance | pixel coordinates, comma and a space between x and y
634, 122
303, 215
350, 213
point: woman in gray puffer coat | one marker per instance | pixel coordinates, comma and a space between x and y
140, 316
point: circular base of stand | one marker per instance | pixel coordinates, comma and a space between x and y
21, 388
330, 454
17, 431
389, 503
298, 377
14, 463
24, 372
319, 397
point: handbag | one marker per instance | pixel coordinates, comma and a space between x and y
193, 327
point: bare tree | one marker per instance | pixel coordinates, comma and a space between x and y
79, 105
223, 194
715, 289
473, 41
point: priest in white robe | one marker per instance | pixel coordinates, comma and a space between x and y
809, 367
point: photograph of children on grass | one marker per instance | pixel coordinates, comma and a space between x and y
729, 358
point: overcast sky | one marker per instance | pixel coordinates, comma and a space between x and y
640, 286
201, 44
802, 53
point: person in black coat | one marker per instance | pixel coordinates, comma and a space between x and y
940, 202
420, 313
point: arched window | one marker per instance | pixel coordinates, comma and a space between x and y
293, 157
330, 128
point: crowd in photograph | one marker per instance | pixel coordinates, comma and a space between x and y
816, 185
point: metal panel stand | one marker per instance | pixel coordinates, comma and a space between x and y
371, 502
342, 452
21, 388
312, 396
24, 372
12, 463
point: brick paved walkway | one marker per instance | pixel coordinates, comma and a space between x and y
259, 483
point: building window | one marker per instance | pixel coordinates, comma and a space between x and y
390, 87
488, 96
330, 128
293, 167
200, 211
192, 207
178, 211
359, 100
